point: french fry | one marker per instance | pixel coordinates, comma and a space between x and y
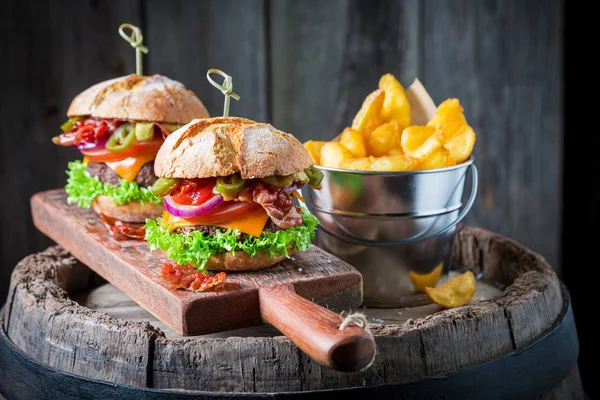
460, 146
369, 115
398, 163
314, 149
358, 164
439, 158
451, 128
448, 111
396, 151
333, 154
420, 141
455, 292
421, 281
396, 106
354, 141
384, 138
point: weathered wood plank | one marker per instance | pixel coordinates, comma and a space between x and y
188, 37
511, 94
327, 56
113, 350
442, 342
228, 364
51, 52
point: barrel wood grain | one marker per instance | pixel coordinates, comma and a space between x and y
263, 362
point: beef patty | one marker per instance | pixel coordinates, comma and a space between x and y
145, 176
210, 230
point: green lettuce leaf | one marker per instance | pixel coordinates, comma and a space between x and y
195, 248
82, 188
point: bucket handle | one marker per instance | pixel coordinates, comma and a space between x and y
374, 243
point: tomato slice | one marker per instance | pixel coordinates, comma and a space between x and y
102, 154
226, 211
193, 192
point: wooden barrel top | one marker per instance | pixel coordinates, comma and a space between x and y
63, 315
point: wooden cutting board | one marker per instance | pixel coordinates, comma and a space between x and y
284, 295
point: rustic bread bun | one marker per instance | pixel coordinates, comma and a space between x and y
153, 98
132, 212
222, 146
242, 261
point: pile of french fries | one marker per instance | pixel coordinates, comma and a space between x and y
383, 136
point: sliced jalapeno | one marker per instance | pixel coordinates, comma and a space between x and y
144, 131
300, 177
68, 126
163, 186
229, 185
314, 176
171, 127
122, 139
279, 180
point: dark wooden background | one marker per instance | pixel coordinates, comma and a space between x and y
304, 66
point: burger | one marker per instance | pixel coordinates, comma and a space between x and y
118, 126
230, 188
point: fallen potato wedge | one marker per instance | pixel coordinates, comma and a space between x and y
369, 115
421, 281
455, 292
396, 106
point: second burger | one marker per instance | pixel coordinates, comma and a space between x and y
118, 126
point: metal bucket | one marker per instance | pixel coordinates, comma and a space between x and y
386, 224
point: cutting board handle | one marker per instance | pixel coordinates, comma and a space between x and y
316, 330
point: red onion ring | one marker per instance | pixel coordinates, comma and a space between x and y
293, 186
180, 210
90, 146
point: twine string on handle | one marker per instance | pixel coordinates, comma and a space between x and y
226, 88
358, 319
135, 40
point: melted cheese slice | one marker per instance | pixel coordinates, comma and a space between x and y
129, 167
252, 223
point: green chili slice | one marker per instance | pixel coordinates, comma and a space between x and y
229, 185
163, 186
122, 139
314, 176
171, 127
68, 126
279, 180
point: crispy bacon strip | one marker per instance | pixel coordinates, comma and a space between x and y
278, 204
188, 278
120, 230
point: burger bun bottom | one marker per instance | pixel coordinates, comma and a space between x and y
132, 212
242, 261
